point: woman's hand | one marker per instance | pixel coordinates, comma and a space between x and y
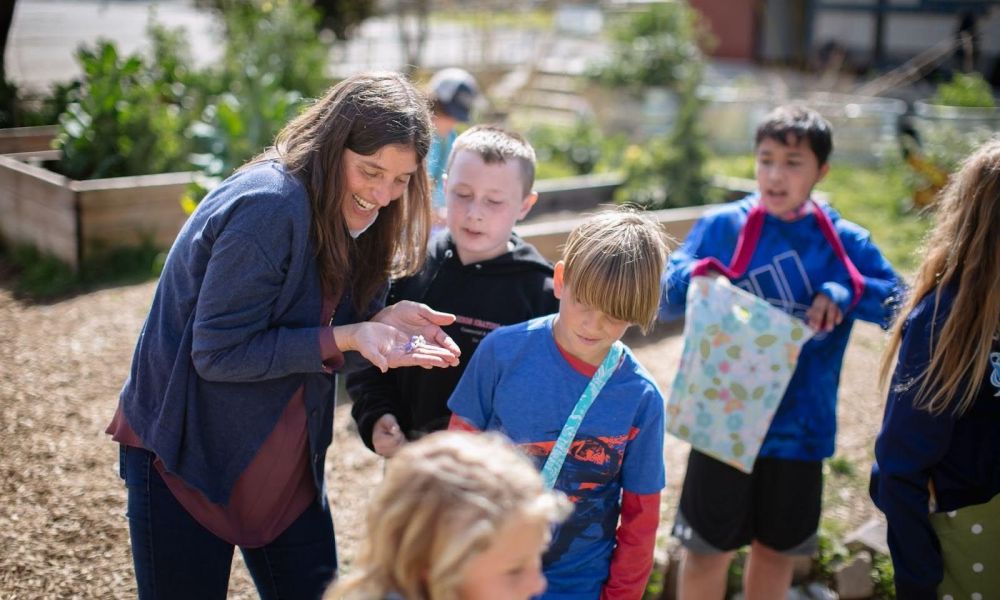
387, 347
414, 318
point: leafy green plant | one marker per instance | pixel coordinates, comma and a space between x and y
829, 555
654, 587
273, 62
658, 46
669, 171
883, 574
578, 150
969, 90
661, 46
274, 40
235, 128
117, 123
734, 577
40, 277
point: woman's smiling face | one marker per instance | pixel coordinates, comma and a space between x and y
372, 182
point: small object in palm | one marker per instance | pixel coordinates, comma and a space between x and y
414, 343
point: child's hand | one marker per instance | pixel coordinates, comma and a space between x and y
387, 438
824, 314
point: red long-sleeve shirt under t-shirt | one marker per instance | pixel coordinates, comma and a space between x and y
635, 538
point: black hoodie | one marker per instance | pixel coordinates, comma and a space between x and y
508, 289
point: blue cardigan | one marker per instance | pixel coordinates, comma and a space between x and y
960, 454
233, 331
790, 265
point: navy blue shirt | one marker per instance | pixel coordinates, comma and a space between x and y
232, 333
961, 455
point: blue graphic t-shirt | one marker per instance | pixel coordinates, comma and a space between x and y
519, 384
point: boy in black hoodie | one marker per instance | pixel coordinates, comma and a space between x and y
478, 269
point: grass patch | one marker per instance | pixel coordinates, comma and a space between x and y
533, 19
876, 199
841, 466
40, 277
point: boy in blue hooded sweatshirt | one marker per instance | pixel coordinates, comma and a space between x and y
806, 260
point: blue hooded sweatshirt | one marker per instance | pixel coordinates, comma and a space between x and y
793, 262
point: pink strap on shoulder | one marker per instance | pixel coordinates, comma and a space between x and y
750, 235
745, 246
857, 281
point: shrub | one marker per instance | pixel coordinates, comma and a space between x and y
578, 150
661, 46
273, 62
658, 46
967, 90
117, 123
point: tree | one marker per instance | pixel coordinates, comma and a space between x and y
8, 91
412, 21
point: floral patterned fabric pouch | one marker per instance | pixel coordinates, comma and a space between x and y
738, 357
739, 353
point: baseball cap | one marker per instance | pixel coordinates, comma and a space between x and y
455, 90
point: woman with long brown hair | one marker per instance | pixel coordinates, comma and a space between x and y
275, 283
939, 448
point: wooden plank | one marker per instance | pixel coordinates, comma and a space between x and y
549, 237
35, 156
10, 164
122, 216
24, 185
27, 139
126, 198
151, 213
38, 209
137, 181
161, 233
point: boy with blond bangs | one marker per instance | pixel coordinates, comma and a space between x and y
800, 256
566, 390
479, 270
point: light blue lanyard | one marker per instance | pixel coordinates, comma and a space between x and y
554, 463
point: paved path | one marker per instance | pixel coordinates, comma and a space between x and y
46, 33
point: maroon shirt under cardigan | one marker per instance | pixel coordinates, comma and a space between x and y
277, 486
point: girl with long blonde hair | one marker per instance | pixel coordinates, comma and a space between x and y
939, 448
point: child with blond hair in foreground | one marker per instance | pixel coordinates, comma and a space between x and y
458, 517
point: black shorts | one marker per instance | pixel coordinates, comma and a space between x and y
723, 509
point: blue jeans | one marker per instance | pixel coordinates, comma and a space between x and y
175, 557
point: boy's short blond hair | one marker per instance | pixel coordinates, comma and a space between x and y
614, 261
494, 144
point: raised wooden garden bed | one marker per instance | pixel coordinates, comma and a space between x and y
27, 139
73, 220
549, 236
565, 203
